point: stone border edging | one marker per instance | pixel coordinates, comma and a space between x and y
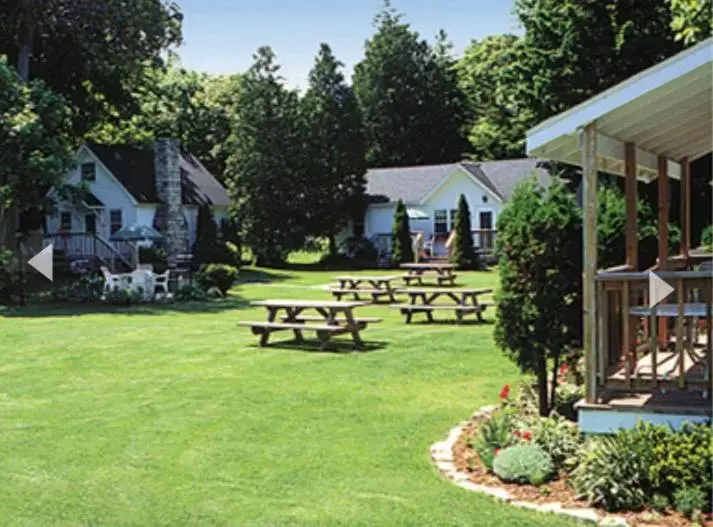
443, 458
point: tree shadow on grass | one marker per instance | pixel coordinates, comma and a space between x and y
453, 322
252, 275
335, 346
157, 308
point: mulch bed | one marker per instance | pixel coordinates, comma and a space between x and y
556, 491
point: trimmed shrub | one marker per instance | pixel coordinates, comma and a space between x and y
523, 464
689, 501
87, 289
707, 237
463, 255
221, 276
123, 297
401, 251
660, 502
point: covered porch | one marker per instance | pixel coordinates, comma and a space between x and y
643, 361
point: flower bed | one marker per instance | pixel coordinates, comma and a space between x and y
642, 475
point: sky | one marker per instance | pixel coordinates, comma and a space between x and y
220, 36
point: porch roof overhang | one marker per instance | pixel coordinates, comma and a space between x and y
92, 202
665, 111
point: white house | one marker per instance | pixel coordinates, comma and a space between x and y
431, 194
159, 187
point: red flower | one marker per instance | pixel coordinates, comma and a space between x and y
527, 435
564, 368
505, 392
517, 433
497, 451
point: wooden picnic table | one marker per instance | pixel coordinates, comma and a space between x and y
415, 272
462, 301
379, 286
332, 318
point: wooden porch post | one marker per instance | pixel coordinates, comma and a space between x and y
685, 207
589, 166
663, 237
632, 238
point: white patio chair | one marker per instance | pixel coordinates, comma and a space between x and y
111, 281
161, 282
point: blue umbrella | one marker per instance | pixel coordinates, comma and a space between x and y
136, 233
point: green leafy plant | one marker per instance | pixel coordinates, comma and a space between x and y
557, 436
463, 254
494, 435
566, 396
524, 463
613, 472
690, 500
660, 502
707, 237
221, 276
87, 289
155, 257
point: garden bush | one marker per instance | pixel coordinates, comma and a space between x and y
690, 500
524, 463
557, 436
87, 289
191, 293
493, 435
566, 396
221, 276
707, 237
660, 502
123, 297
155, 257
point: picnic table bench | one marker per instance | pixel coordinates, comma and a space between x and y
443, 273
332, 318
461, 301
378, 286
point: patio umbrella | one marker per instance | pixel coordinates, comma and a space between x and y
136, 233
416, 214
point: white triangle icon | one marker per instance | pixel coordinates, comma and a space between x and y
43, 262
658, 289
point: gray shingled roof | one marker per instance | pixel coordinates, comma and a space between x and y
413, 184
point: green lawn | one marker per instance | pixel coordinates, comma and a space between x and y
173, 416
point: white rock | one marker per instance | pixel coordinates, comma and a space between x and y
440, 455
583, 514
614, 521
526, 505
445, 466
551, 507
495, 492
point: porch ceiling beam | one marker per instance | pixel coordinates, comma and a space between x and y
646, 161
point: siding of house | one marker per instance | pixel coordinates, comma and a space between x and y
107, 190
379, 217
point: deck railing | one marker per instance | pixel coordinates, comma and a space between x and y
634, 350
83, 245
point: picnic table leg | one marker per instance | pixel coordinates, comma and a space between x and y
349, 317
292, 315
265, 336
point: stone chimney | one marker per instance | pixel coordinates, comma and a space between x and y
170, 220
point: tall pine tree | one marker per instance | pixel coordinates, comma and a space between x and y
334, 148
264, 171
463, 254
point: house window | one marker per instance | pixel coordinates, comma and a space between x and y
485, 198
115, 220
90, 224
453, 219
440, 221
65, 221
89, 172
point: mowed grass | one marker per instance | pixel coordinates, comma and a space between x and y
173, 416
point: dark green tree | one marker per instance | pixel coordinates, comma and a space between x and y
463, 254
334, 149
406, 94
692, 20
402, 249
539, 313
264, 172
206, 243
35, 149
93, 53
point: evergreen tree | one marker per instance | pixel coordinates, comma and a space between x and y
206, 242
334, 148
406, 94
402, 250
463, 254
264, 172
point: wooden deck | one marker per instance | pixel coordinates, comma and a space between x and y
660, 401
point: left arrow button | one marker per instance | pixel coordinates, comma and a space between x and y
43, 262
